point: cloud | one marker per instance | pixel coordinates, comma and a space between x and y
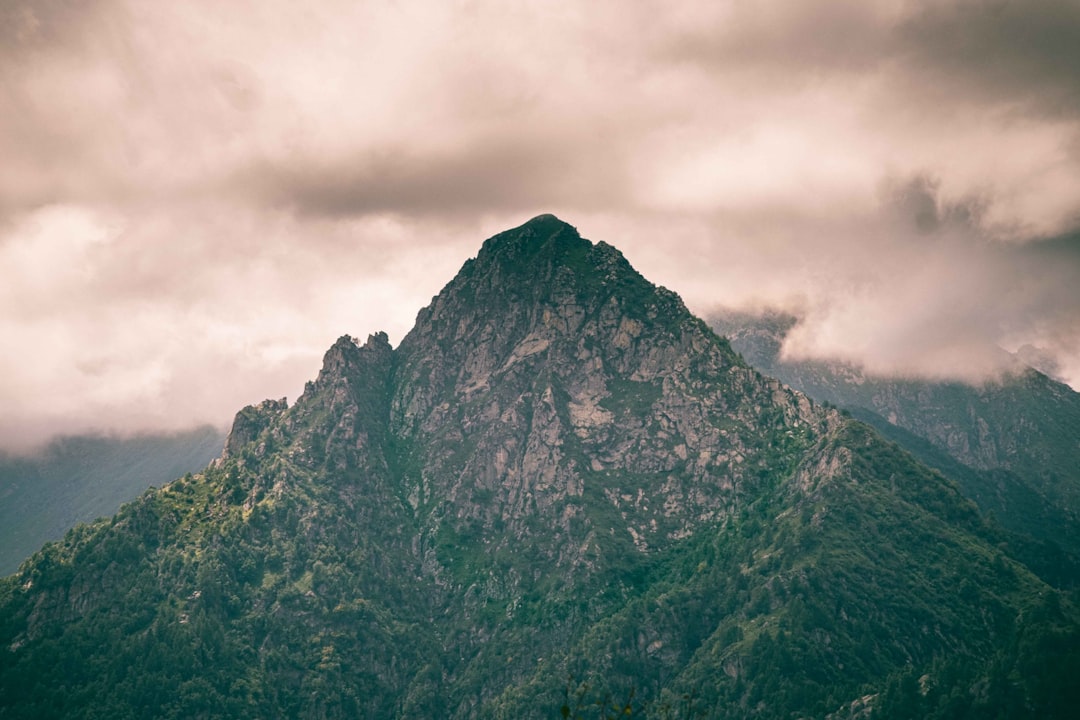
495, 174
989, 52
996, 52
134, 321
919, 287
197, 198
799, 40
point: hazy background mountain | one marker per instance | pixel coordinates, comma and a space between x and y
559, 473
78, 479
1013, 442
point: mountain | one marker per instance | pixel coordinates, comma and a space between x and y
560, 489
1012, 443
82, 477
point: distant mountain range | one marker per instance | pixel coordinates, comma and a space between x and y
1013, 444
562, 495
81, 478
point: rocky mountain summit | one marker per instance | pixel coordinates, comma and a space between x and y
550, 382
560, 489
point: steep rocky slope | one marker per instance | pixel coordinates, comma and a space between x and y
558, 473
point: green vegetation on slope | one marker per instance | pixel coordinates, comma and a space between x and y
565, 480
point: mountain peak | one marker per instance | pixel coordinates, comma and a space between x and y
545, 237
558, 472
545, 225
524, 278
546, 219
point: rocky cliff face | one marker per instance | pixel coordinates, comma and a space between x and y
559, 472
550, 383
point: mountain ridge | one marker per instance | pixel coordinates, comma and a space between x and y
558, 472
1010, 442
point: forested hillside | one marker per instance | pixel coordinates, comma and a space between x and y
560, 489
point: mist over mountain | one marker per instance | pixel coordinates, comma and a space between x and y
1011, 442
560, 489
81, 478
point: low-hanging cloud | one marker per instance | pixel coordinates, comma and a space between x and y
197, 198
920, 288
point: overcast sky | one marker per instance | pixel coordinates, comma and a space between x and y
197, 198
